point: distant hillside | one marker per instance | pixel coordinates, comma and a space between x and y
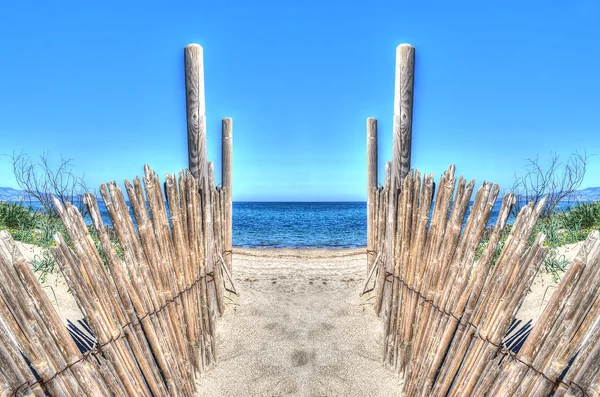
10, 194
589, 194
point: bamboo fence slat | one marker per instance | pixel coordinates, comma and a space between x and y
216, 240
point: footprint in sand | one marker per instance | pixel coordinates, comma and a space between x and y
302, 357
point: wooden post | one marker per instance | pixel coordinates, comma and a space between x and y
371, 186
196, 110
226, 182
198, 161
403, 110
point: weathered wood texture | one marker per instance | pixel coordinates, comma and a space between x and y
145, 295
31, 329
384, 238
448, 297
217, 239
198, 161
195, 109
227, 182
568, 328
403, 112
371, 187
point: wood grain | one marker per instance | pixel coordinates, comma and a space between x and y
406, 52
403, 110
198, 161
195, 107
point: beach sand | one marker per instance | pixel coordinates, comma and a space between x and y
299, 328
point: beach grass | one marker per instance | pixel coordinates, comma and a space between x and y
566, 226
569, 226
31, 226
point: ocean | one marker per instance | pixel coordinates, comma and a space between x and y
299, 225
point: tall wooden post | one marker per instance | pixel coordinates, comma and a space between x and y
403, 100
226, 168
403, 111
198, 162
196, 112
371, 186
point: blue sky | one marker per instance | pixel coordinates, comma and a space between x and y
496, 83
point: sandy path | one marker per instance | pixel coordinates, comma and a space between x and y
298, 328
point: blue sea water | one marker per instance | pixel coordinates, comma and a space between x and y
299, 225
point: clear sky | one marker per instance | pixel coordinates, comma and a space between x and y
496, 83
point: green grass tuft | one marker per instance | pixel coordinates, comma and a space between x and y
38, 228
571, 225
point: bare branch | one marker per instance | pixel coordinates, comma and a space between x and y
559, 180
41, 181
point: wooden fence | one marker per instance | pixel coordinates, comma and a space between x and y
448, 295
150, 307
151, 297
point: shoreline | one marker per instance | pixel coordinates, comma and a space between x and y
336, 248
300, 252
